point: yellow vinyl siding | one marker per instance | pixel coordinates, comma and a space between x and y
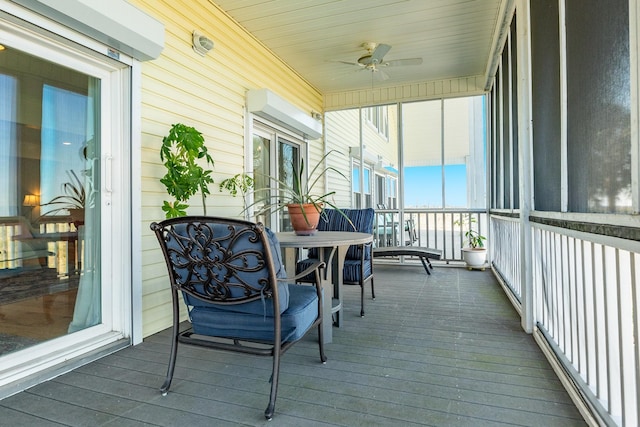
207, 93
342, 134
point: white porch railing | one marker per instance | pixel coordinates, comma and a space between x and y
586, 303
505, 252
434, 228
15, 231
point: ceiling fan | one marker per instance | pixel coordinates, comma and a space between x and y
374, 61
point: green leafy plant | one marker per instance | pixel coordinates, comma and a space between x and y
298, 190
181, 151
473, 237
239, 183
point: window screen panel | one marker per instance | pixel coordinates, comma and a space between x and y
545, 100
515, 176
495, 146
598, 106
506, 136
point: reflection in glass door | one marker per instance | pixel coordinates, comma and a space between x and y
276, 156
49, 200
288, 161
261, 168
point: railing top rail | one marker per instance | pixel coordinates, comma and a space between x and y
433, 210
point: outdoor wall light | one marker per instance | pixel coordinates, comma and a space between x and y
201, 44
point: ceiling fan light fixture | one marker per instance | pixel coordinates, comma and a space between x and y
373, 60
365, 60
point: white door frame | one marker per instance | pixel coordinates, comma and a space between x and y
116, 129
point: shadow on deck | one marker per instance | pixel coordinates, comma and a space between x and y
439, 350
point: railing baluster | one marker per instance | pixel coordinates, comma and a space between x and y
586, 306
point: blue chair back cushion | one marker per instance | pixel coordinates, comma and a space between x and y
295, 321
362, 219
204, 278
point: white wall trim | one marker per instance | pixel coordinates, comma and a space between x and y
136, 204
419, 91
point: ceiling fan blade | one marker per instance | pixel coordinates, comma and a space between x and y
399, 62
343, 75
348, 63
379, 53
381, 75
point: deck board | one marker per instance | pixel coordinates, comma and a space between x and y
439, 350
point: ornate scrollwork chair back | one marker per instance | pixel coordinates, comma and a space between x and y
230, 275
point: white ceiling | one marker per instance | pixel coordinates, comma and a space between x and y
454, 37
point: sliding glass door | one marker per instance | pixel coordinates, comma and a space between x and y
60, 111
276, 156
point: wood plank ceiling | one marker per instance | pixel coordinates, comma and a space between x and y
454, 38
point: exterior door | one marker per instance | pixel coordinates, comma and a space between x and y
60, 277
276, 155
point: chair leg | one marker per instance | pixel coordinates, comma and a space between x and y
172, 364
323, 356
373, 292
268, 413
361, 299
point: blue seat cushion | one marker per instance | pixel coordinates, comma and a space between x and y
352, 270
262, 307
295, 321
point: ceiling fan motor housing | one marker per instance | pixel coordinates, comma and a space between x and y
367, 60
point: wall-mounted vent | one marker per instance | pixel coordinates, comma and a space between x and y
266, 104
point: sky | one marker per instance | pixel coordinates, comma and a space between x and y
423, 186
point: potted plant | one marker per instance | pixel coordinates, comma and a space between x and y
475, 254
297, 195
75, 198
239, 183
181, 151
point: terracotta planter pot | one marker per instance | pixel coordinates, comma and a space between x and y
302, 226
475, 257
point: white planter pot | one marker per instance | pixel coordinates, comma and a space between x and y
475, 257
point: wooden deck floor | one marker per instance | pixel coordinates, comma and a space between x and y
439, 350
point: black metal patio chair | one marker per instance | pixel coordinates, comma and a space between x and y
232, 280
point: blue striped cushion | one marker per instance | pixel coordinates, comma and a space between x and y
350, 272
332, 220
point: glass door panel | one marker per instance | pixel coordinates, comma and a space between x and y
49, 200
261, 169
288, 161
277, 157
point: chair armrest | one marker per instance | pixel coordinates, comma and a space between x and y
316, 265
